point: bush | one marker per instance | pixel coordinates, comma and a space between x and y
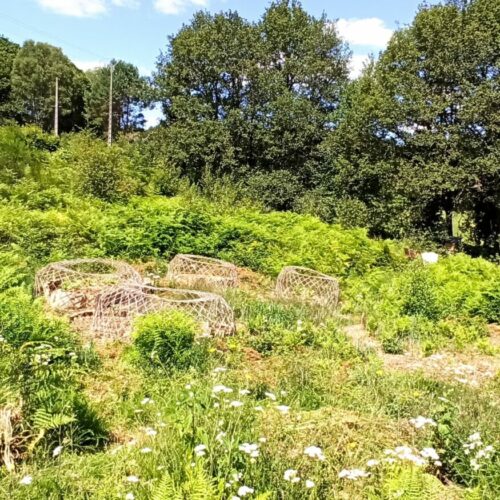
168, 339
276, 190
103, 172
40, 367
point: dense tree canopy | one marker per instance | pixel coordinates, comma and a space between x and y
130, 93
8, 51
265, 90
419, 136
33, 77
410, 148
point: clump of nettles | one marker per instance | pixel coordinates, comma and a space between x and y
168, 339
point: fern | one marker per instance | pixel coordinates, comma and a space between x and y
166, 489
413, 484
198, 485
46, 421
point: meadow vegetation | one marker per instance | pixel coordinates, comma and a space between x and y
288, 407
269, 156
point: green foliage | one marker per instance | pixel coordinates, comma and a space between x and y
198, 485
8, 51
33, 77
40, 365
240, 96
411, 483
167, 339
129, 98
448, 301
103, 172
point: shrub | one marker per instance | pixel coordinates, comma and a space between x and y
276, 190
168, 339
103, 172
40, 367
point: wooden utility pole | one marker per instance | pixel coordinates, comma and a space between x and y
110, 112
56, 110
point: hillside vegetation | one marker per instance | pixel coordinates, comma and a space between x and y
269, 155
290, 406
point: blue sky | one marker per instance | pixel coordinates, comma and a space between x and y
91, 32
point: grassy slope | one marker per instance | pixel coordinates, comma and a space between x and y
340, 398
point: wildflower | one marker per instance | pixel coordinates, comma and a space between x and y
129, 496
132, 479
283, 393
263, 439
406, 453
220, 437
243, 491
475, 437
200, 450
147, 401
187, 387
283, 408
291, 475
270, 395
259, 408
26, 480
219, 369
421, 422
236, 404
372, 463
244, 392
2, 339
314, 452
150, 432
57, 451
221, 388
310, 484
353, 474
474, 464
251, 449
429, 453
146, 450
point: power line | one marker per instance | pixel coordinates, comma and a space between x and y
54, 37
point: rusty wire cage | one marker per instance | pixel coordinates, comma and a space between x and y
197, 271
117, 308
308, 285
73, 286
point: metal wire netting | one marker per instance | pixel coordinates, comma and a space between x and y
196, 271
308, 285
117, 309
74, 285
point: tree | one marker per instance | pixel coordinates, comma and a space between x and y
130, 96
420, 130
8, 51
34, 73
268, 89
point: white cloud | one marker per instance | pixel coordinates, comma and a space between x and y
76, 8
84, 8
86, 65
356, 65
177, 6
369, 31
132, 4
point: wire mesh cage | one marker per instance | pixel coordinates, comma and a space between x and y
74, 285
308, 285
197, 271
117, 308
